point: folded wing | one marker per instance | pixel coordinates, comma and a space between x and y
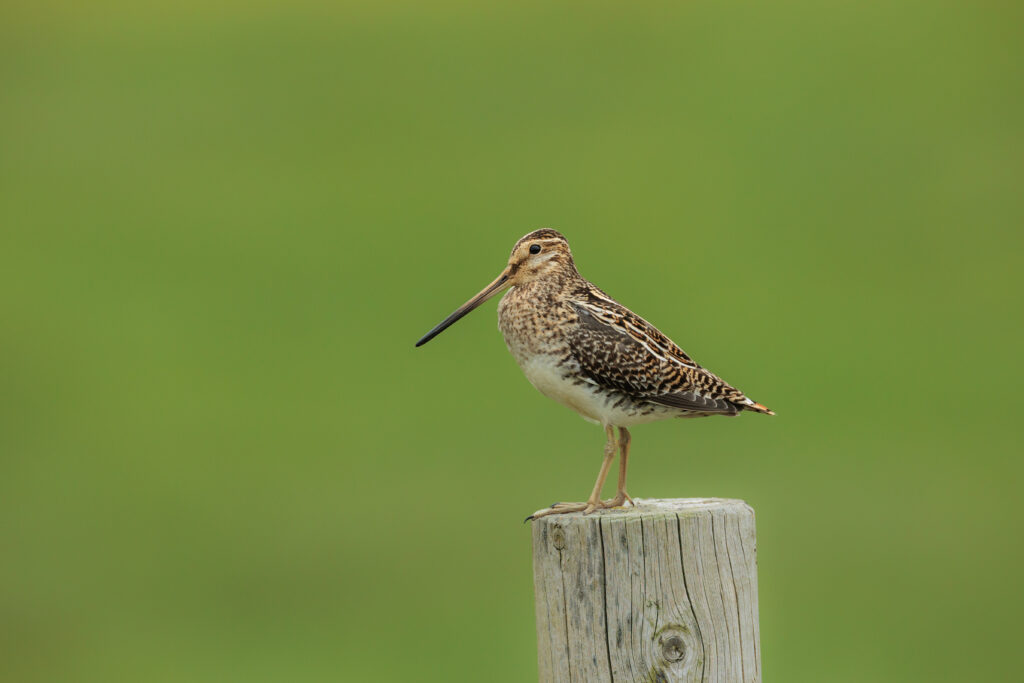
617, 349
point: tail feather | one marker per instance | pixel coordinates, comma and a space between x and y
757, 407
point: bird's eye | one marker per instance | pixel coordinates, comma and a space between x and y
534, 248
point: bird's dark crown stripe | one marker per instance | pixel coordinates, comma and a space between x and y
544, 233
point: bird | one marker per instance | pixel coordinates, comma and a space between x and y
585, 350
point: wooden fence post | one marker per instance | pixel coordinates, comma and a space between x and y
663, 592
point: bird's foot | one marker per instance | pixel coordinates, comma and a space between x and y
563, 508
619, 501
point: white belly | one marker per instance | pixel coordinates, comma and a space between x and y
585, 398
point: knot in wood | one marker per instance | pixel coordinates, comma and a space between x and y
673, 649
558, 537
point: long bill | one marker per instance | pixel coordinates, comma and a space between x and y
500, 284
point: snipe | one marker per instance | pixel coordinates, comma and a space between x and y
585, 350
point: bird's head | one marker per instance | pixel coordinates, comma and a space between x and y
542, 253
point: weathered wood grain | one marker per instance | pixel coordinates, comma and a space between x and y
663, 592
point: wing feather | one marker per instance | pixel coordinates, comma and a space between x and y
617, 349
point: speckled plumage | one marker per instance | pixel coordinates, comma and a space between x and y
585, 350
589, 339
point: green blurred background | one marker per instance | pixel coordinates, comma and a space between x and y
223, 225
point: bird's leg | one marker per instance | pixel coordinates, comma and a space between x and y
609, 453
594, 502
620, 493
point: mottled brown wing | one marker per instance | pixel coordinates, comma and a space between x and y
615, 349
